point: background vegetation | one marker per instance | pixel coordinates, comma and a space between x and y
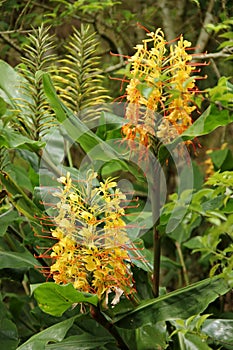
79, 47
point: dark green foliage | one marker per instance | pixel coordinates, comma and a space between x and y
57, 92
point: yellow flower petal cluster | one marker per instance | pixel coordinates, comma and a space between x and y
181, 84
160, 90
146, 70
90, 252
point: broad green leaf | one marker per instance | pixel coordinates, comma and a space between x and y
9, 82
228, 207
220, 330
171, 306
6, 219
12, 139
84, 341
195, 243
15, 260
8, 331
210, 120
19, 198
20, 174
213, 203
55, 299
151, 336
8, 334
222, 159
54, 333
192, 342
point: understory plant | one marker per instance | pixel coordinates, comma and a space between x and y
97, 251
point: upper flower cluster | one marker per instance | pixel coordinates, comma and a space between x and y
90, 252
160, 90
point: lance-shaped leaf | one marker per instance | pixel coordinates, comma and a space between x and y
84, 341
220, 330
8, 330
19, 198
16, 260
76, 129
9, 83
55, 333
55, 299
180, 304
211, 119
12, 139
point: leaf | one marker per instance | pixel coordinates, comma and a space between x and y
140, 256
228, 207
171, 306
55, 299
9, 82
3, 107
220, 330
82, 342
151, 336
210, 120
222, 159
15, 260
12, 139
8, 334
19, 198
193, 341
6, 219
76, 129
80, 81
53, 99
8, 330
54, 333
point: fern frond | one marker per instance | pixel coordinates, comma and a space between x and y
80, 83
35, 117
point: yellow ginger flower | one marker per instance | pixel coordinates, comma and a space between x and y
160, 91
179, 111
91, 252
146, 67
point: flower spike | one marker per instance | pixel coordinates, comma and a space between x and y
90, 230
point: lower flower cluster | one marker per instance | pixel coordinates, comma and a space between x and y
91, 249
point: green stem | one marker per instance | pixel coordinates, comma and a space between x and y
67, 150
49, 163
99, 317
184, 269
156, 264
155, 206
181, 342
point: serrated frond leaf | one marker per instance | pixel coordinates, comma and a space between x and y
35, 117
80, 82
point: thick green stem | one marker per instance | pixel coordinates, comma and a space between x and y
99, 317
156, 265
155, 206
